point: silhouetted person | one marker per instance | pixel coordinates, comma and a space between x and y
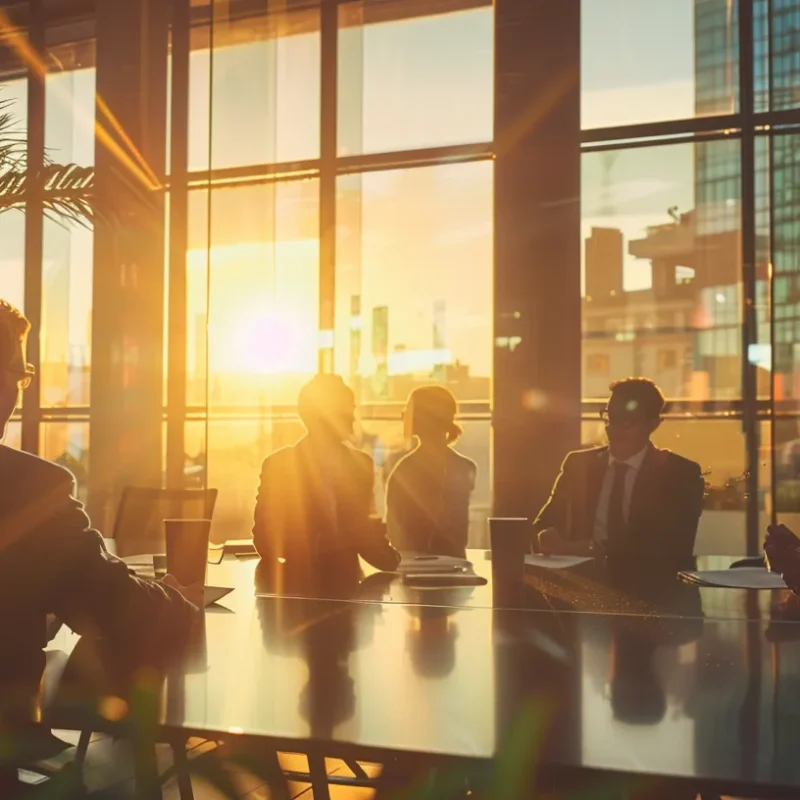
53, 562
428, 492
629, 500
313, 515
782, 555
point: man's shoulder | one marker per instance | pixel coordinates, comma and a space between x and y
280, 458
585, 455
677, 463
28, 467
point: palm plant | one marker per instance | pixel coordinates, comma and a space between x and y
66, 191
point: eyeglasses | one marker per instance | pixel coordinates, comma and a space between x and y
22, 379
622, 420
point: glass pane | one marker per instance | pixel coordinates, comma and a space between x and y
718, 446
236, 450
265, 98
67, 444
383, 440
263, 285
412, 80
13, 102
405, 314
13, 435
67, 245
661, 269
649, 61
786, 322
778, 57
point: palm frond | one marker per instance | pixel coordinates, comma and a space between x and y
66, 191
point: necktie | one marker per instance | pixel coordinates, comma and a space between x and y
616, 501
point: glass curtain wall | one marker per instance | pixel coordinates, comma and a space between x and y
689, 182
53, 281
340, 188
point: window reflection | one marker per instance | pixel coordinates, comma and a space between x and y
414, 281
257, 292
662, 255
411, 79
650, 61
67, 444
265, 97
67, 246
14, 102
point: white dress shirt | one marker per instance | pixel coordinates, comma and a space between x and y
634, 464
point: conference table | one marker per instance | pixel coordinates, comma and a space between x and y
694, 688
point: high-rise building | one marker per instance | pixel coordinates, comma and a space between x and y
439, 338
380, 350
604, 249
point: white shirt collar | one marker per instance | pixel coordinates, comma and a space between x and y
634, 462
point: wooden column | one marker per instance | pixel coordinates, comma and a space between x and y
127, 333
537, 365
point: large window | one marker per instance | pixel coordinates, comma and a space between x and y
645, 61
689, 234
65, 338
259, 295
412, 79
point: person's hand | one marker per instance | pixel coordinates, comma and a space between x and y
551, 543
194, 594
782, 555
781, 536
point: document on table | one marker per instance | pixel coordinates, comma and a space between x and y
741, 578
419, 564
555, 562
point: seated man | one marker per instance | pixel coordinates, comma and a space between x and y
629, 500
313, 513
53, 562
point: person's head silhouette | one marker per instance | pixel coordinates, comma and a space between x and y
633, 413
327, 408
430, 416
15, 372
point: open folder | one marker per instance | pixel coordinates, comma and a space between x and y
741, 578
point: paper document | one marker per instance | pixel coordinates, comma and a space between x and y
741, 578
555, 562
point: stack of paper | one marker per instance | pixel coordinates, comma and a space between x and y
741, 578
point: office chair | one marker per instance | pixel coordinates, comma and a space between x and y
139, 524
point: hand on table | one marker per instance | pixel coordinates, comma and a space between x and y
194, 594
551, 543
782, 554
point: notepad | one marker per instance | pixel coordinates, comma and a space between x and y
555, 562
741, 578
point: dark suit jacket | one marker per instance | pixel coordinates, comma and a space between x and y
303, 548
665, 508
53, 562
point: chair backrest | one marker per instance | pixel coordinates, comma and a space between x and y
139, 526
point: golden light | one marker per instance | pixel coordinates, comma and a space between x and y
264, 314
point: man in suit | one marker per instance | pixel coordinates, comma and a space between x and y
630, 500
53, 562
313, 514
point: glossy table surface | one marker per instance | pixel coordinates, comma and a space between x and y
679, 692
